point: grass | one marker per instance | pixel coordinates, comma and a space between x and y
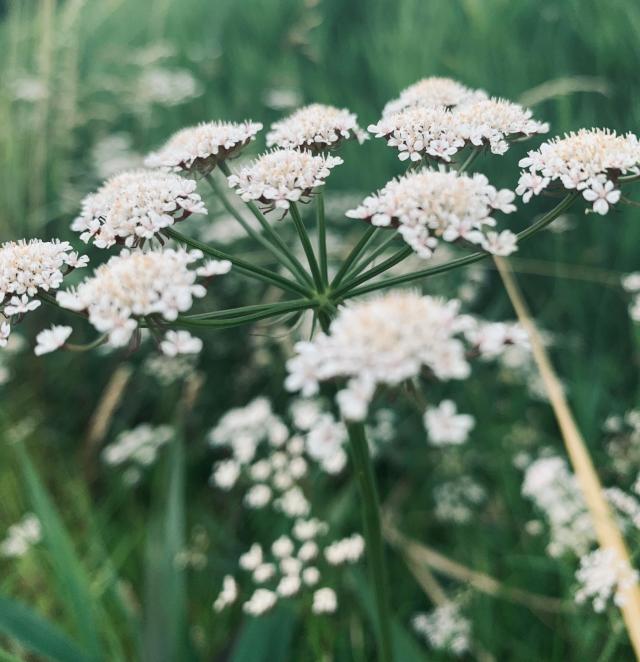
356, 54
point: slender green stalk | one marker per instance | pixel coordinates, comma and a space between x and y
375, 555
307, 247
299, 274
242, 266
356, 251
245, 310
469, 160
269, 232
362, 264
322, 239
462, 261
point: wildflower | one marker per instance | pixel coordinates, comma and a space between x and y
136, 205
589, 160
308, 551
214, 268
325, 441
603, 574
307, 529
311, 576
5, 332
165, 87
325, 601
51, 339
134, 285
631, 282
225, 474
260, 602
289, 585
456, 500
315, 127
433, 92
227, 595
293, 503
445, 628
347, 550
282, 547
252, 559
258, 496
500, 243
200, 148
180, 342
280, 177
20, 305
428, 205
21, 536
263, 573
140, 445
445, 426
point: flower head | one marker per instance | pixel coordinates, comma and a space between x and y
427, 206
589, 160
445, 426
51, 339
201, 148
133, 285
282, 176
180, 342
433, 91
316, 127
136, 205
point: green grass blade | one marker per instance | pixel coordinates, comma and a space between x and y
36, 634
73, 582
267, 638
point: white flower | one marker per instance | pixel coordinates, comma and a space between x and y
293, 503
500, 243
282, 547
282, 176
308, 529
252, 559
589, 160
180, 342
445, 628
260, 602
291, 565
325, 601
311, 576
225, 474
445, 426
428, 205
325, 440
315, 127
20, 305
631, 282
305, 413
139, 445
603, 574
202, 147
432, 92
308, 551
51, 339
456, 500
602, 194
214, 268
133, 285
136, 205
258, 496
347, 550
21, 536
289, 585
263, 573
227, 595
5, 332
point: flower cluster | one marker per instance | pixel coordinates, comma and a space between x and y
439, 133
28, 268
134, 206
445, 628
428, 205
433, 91
280, 177
445, 426
201, 148
631, 283
456, 501
316, 127
383, 340
135, 285
138, 448
603, 574
21, 536
589, 160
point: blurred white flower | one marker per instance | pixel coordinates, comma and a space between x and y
180, 342
21, 537
325, 601
445, 629
445, 426
227, 595
51, 339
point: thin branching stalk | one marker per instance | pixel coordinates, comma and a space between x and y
243, 310
364, 262
356, 251
306, 246
322, 239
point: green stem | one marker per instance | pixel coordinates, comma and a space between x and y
242, 266
306, 245
245, 310
375, 555
469, 160
299, 274
360, 266
269, 232
353, 256
322, 238
462, 261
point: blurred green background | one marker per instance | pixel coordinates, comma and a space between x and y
76, 73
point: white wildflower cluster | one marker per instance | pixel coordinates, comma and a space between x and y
280, 177
201, 148
137, 449
603, 575
20, 537
445, 426
114, 153
434, 91
428, 205
589, 160
292, 567
457, 501
49, 340
316, 127
625, 505
135, 285
136, 205
168, 370
383, 340
438, 133
623, 441
555, 491
445, 629
165, 87
28, 268
631, 283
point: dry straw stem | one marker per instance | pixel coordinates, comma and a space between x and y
419, 556
607, 531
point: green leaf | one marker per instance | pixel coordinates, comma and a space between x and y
73, 582
36, 634
266, 638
